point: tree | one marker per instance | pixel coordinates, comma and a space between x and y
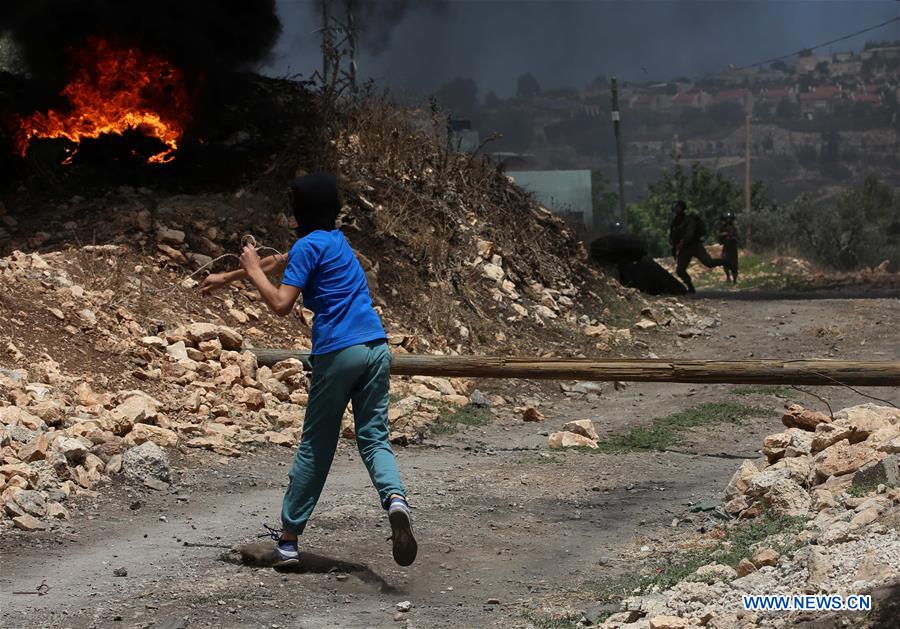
787, 110
706, 193
459, 96
727, 115
527, 86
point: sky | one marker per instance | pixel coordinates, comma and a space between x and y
567, 43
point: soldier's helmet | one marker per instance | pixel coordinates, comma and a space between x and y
678, 206
727, 217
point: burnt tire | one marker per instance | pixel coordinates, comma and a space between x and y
649, 277
616, 248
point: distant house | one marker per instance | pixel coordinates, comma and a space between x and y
646, 101
845, 68
744, 98
882, 52
872, 99
689, 100
821, 99
771, 97
809, 63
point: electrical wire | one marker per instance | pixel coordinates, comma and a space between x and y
823, 44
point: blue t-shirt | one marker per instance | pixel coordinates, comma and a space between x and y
323, 266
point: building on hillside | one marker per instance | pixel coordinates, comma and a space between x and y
563, 192
652, 102
771, 97
809, 63
744, 98
850, 67
872, 99
820, 100
689, 100
882, 52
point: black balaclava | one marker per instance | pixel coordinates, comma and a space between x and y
315, 202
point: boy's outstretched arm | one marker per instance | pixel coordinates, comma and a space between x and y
214, 281
279, 299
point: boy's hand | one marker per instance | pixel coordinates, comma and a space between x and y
250, 259
212, 282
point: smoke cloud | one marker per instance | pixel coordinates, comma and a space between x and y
205, 38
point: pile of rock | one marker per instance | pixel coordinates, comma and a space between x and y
579, 433
809, 466
841, 475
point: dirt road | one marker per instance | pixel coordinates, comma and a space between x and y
499, 517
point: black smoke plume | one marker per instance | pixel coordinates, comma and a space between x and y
375, 20
205, 38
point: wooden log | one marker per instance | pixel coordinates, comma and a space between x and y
757, 371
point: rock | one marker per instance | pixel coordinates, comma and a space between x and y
765, 557
716, 572
566, 439
869, 417
740, 481
73, 449
34, 450
138, 407
114, 465
798, 417
56, 511
173, 254
32, 503
29, 523
492, 272
584, 427
531, 414
479, 399
689, 333
195, 333
142, 433
668, 622
827, 435
843, 458
745, 567
404, 606
797, 467
736, 505
836, 533
645, 324
88, 318
22, 470
13, 415
171, 236
178, 351
253, 399
787, 498
765, 480
598, 331
147, 460
884, 472
818, 566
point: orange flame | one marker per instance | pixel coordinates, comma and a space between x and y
114, 89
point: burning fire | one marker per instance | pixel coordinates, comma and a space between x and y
113, 89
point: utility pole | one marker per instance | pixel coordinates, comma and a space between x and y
326, 38
351, 42
747, 207
615, 120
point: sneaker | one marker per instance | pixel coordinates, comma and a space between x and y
287, 550
404, 544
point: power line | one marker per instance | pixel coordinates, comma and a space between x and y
828, 43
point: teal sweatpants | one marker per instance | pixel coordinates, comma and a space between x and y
360, 373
